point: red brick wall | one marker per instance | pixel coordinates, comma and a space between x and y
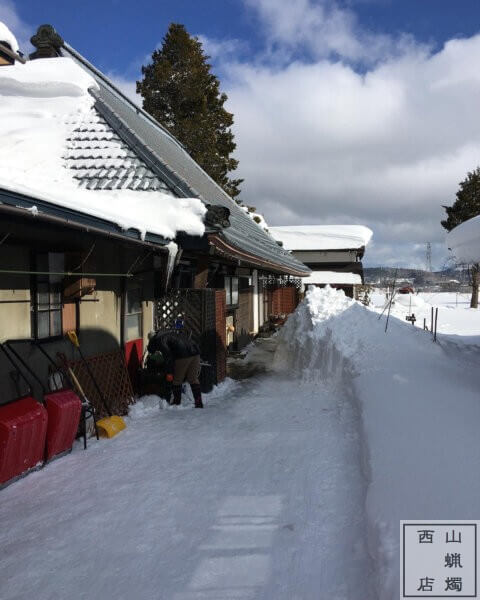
221, 337
285, 300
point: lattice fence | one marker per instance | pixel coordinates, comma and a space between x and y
110, 372
196, 308
275, 281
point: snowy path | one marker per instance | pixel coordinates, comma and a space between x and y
261, 495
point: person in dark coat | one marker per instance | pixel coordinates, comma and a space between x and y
182, 357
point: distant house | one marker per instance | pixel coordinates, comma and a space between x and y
104, 215
333, 252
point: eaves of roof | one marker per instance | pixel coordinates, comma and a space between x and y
360, 250
42, 210
232, 252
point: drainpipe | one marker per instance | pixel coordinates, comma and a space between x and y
123, 304
255, 300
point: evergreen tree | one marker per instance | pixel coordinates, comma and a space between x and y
179, 91
466, 206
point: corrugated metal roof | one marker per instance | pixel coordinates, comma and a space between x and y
170, 162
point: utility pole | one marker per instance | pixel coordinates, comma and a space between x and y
429, 257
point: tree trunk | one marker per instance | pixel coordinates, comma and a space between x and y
474, 271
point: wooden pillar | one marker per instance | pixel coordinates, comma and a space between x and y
255, 301
201, 275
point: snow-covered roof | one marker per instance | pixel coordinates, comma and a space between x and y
72, 139
332, 277
322, 237
256, 217
7, 36
46, 116
464, 241
101, 160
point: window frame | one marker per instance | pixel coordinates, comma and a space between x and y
138, 313
231, 290
53, 287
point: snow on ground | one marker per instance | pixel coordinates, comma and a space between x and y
455, 317
259, 495
288, 485
420, 415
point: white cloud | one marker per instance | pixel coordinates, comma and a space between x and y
386, 146
127, 86
221, 50
323, 29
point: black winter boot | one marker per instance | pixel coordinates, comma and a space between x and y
177, 394
197, 395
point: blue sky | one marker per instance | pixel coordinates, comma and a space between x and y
92, 26
346, 111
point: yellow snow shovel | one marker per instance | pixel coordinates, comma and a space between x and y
113, 424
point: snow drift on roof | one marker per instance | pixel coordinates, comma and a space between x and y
464, 241
322, 237
43, 102
324, 277
7, 36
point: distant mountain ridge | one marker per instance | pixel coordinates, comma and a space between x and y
418, 276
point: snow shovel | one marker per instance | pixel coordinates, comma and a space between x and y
113, 424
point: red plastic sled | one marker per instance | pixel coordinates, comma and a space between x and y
23, 430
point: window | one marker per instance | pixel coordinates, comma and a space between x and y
47, 305
231, 289
133, 314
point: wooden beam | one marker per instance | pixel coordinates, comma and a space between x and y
201, 275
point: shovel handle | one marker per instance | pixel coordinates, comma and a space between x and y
72, 375
72, 336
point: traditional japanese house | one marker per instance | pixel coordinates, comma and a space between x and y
85, 225
333, 252
105, 220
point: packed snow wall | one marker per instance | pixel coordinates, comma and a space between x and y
418, 413
321, 345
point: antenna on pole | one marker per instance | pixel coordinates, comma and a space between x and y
429, 257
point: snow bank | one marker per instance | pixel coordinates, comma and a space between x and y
322, 237
7, 36
45, 100
410, 300
420, 414
324, 277
464, 241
